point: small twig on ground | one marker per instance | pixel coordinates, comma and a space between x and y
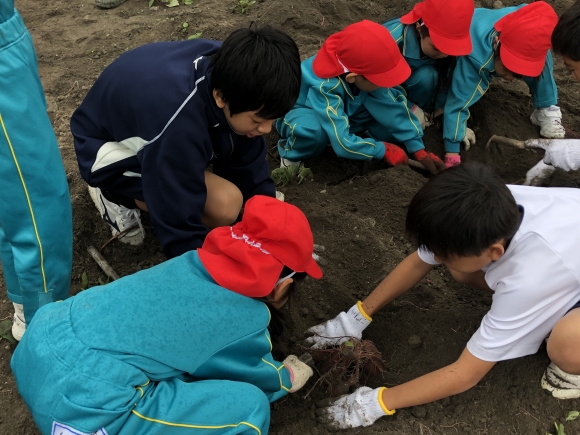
453, 426
421, 426
118, 236
411, 303
76, 83
7, 317
526, 412
322, 22
273, 156
103, 264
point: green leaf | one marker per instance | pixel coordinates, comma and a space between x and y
84, 281
187, 2
6, 331
281, 176
572, 415
185, 25
172, 3
559, 429
195, 36
304, 174
151, 2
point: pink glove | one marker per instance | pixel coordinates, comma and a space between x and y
451, 161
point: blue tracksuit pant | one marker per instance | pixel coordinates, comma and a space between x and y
35, 209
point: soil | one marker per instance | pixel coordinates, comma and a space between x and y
356, 211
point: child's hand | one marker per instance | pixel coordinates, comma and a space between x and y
299, 372
433, 163
338, 330
395, 155
563, 154
421, 117
361, 408
468, 139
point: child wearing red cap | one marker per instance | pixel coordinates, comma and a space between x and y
204, 365
429, 38
350, 97
563, 153
510, 43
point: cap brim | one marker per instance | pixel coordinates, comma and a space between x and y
394, 77
411, 17
325, 64
517, 65
452, 47
314, 270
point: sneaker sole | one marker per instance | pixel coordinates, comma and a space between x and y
559, 393
18, 331
537, 124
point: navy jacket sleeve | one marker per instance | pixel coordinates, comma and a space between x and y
173, 183
247, 168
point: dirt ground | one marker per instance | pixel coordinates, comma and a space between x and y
357, 211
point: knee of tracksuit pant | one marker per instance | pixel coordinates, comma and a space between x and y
302, 135
421, 85
215, 407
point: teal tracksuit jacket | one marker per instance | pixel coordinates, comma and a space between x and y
422, 84
474, 73
163, 351
35, 208
355, 123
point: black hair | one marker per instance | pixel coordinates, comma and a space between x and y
257, 69
462, 211
497, 55
444, 67
566, 35
278, 320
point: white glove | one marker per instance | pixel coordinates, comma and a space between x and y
562, 153
539, 174
468, 139
299, 372
421, 117
361, 408
340, 329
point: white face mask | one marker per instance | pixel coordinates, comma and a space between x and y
281, 280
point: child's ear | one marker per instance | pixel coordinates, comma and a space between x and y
496, 251
219, 99
351, 77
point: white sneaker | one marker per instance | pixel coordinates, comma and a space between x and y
119, 218
562, 385
549, 119
18, 322
285, 163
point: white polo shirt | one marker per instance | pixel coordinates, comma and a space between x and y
536, 281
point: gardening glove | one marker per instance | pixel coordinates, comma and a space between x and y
338, 330
451, 161
361, 408
468, 139
539, 174
299, 372
420, 114
561, 153
395, 155
431, 162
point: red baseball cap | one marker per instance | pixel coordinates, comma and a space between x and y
448, 22
248, 257
525, 37
364, 48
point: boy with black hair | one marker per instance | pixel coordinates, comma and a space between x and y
161, 114
501, 239
563, 154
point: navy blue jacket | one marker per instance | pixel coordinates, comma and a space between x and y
149, 128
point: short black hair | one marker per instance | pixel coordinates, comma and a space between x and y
566, 35
258, 69
462, 211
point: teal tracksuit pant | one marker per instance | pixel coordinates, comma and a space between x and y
355, 123
35, 209
473, 74
164, 351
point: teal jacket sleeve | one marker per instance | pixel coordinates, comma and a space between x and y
389, 106
470, 81
326, 100
248, 359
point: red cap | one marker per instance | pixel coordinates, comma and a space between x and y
364, 48
448, 22
525, 37
248, 257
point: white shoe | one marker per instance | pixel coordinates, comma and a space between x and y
119, 218
285, 163
18, 322
549, 119
562, 385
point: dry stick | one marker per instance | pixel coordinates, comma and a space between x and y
102, 263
